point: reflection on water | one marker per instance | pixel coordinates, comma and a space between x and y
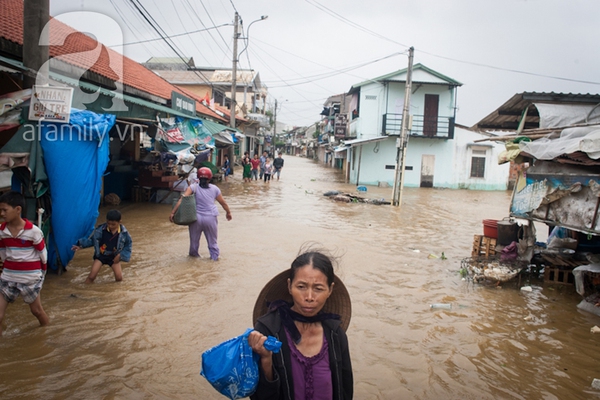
142, 338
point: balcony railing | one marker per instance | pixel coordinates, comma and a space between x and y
436, 127
354, 127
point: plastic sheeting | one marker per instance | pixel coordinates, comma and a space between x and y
579, 273
76, 156
571, 140
555, 115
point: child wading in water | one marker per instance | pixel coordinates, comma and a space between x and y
23, 251
112, 244
268, 170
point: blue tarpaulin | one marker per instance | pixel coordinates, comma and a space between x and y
75, 156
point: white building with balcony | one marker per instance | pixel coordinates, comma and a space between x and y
437, 155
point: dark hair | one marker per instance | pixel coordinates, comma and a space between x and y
203, 183
13, 199
113, 215
317, 260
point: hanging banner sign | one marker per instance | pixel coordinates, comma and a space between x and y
183, 104
341, 125
51, 103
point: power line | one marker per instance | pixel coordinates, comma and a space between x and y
171, 36
200, 52
275, 73
311, 79
345, 20
233, 5
132, 27
511, 70
351, 23
213, 22
156, 28
328, 67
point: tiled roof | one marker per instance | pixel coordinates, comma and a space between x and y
77, 50
185, 77
200, 107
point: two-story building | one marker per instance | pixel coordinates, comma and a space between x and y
438, 154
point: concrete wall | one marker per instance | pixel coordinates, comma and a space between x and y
452, 162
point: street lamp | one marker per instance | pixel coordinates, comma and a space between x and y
247, 38
235, 61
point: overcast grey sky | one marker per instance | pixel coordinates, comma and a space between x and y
308, 50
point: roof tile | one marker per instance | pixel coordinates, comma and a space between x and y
82, 51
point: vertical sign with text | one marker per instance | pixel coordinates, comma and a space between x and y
341, 125
51, 104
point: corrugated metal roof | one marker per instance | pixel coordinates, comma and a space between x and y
508, 115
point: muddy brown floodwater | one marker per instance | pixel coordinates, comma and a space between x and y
143, 338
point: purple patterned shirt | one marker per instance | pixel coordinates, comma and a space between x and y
311, 375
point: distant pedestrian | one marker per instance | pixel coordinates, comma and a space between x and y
263, 159
255, 162
23, 251
226, 168
247, 174
268, 170
278, 165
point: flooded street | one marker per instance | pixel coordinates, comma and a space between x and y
143, 338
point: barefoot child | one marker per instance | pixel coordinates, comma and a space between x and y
112, 244
23, 251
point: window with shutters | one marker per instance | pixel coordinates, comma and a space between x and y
478, 164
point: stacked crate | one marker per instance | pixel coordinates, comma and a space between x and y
483, 246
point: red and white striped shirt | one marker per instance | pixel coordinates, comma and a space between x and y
24, 255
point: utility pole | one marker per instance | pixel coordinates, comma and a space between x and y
36, 14
274, 127
234, 71
234, 84
402, 141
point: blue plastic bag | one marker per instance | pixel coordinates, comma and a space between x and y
232, 367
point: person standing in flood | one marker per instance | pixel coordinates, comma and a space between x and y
247, 174
255, 161
268, 170
24, 253
112, 244
278, 165
206, 213
263, 160
307, 308
226, 168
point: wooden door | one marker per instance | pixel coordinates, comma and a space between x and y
427, 168
430, 119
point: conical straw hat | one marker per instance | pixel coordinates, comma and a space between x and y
277, 289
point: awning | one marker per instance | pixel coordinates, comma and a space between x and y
223, 137
214, 127
104, 101
9, 65
358, 142
347, 144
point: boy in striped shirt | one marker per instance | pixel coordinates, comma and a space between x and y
23, 251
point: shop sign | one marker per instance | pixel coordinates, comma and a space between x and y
341, 125
183, 104
51, 104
